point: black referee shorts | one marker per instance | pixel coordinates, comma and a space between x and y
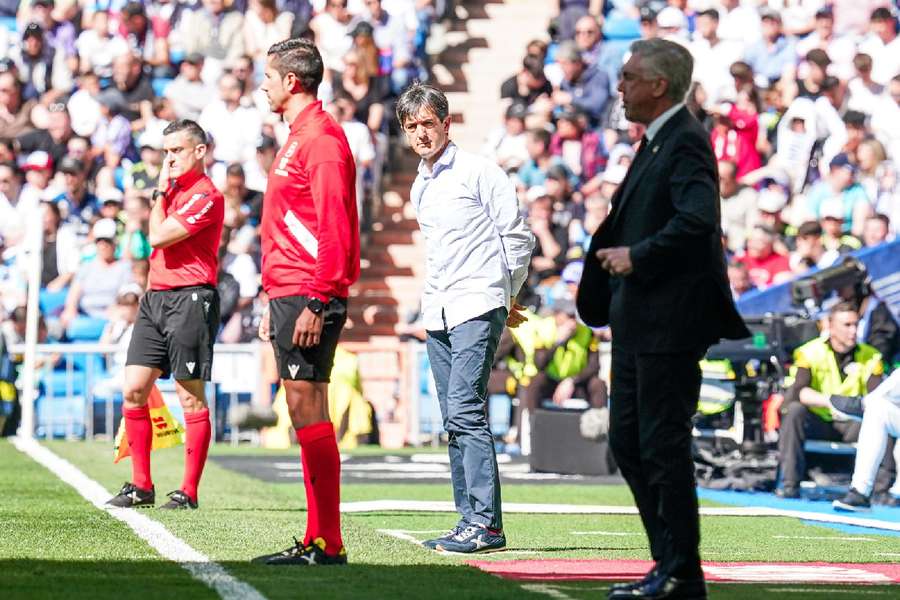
175, 332
307, 364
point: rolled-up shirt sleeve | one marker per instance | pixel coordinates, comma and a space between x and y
498, 195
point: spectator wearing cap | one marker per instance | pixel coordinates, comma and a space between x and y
770, 204
257, 169
43, 70
97, 281
739, 22
142, 176
330, 29
134, 88
393, 39
672, 24
58, 35
832, 219
883, 45
877, 230
766, 267
580, 147
97, 46
61, 250
841, 49
77, 205
774, 52
842, 186
15, 111
713, 56
38, 167
188, 92
265, 25
528, 84
862, 90
110, 200
738, 203
506, 145
234, 127
534, 171
648, 27
811, 252
216, 31
53, 138
582, 86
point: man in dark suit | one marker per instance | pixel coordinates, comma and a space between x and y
655, 272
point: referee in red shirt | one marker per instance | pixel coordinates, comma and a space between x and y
178, 317
310, 257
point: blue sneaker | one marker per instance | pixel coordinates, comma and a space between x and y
474, 539
849, 407
433, 543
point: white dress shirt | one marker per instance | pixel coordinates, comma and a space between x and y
477, 244
657, 124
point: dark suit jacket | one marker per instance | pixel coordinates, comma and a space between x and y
667, 212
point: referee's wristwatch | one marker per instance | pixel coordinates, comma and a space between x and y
157, 194
315, 306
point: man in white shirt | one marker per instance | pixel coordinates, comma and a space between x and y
478, 249
883, 45
234, 126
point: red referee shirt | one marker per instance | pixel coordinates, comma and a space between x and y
200, 207
310, 229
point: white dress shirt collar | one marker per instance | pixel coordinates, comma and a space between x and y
661, 120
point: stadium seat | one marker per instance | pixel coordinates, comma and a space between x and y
9, 23
60, 416
52, 303
85, 329
160, 84
62, 382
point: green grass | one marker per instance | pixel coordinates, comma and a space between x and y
52, 539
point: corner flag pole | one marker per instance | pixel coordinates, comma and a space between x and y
34, 239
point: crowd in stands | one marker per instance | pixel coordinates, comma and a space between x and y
802, 104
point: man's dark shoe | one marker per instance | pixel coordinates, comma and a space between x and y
312, 555
131, 496
886, 499
664, 586
433, 543
474, 539
852, 501
788, 491
633, 585
179, 500
849, 407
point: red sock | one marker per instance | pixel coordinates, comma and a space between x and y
312, 512
139, 430
196, 446
323, 478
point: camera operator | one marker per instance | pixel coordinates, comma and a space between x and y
836, 365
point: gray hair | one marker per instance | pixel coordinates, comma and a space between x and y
418, 96
569, 52
666, 60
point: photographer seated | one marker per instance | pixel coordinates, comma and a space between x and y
569, 368
825, 366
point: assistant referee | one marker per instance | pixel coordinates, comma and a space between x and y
179, 315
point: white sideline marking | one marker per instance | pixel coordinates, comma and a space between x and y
823, 537
546, 590
855, 591
590, 509
154, 533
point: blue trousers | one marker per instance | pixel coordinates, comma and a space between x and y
461, 361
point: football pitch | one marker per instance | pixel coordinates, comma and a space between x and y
56, 544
